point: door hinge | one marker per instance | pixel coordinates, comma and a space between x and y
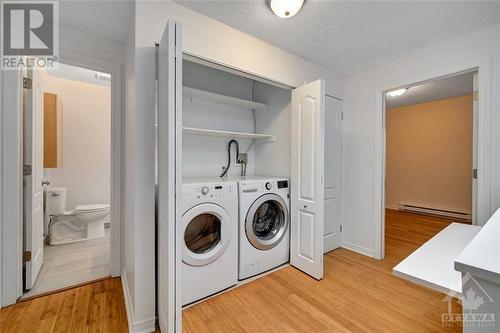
27, 83
341, 115
27, 170
474, 173
475, 96
26, 256
340, 228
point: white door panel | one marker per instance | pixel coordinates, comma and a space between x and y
169, 177
333, 158
33, 190
307, 169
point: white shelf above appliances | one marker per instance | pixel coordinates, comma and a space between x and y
222, 99
228, 134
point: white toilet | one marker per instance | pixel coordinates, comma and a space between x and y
85, 222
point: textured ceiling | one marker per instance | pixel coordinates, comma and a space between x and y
110, 18
454, 86
351, 36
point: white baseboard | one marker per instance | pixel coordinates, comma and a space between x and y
143, 326
357, 248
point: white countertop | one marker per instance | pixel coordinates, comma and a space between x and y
432, 264
481, 257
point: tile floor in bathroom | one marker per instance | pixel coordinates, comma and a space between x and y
72, 264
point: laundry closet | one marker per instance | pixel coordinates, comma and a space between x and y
242, 187
218, 106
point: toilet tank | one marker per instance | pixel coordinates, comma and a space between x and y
55, 200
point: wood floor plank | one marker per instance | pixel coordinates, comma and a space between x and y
357, 294
96, 307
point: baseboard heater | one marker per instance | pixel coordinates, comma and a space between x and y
435, 212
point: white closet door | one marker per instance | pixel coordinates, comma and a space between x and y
33, 190
169, 176
307, 189
333, 159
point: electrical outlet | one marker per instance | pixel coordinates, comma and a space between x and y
242, 158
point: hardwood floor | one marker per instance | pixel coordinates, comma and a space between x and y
96, 307
357, 294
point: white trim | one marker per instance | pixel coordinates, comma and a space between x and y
356, 248
146, 325
11, 132
483, 67
11, 270
1, 181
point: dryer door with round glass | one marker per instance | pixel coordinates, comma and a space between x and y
206, 233
266, 221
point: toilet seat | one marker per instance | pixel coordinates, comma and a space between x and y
90, 208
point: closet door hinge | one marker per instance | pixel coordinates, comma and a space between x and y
341, 115
26, 256
27, 170
27, 83
341, 228
474, 173
476, 96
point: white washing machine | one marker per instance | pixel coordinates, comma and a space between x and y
264, 226
209, 237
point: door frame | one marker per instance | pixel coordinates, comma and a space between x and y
482, 66
12, 219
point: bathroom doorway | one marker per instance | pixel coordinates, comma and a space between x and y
67, 156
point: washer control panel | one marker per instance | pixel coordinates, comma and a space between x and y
252, 187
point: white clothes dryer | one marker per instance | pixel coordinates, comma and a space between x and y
209, 237
264, 226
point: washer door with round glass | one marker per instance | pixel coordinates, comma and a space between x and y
206, 233
266, 221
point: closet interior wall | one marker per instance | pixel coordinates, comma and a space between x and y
205, 156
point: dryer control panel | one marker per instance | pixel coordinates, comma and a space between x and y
209, 191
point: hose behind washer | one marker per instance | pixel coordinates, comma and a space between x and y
229, 155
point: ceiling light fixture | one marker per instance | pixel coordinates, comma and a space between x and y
285, 8
397, 92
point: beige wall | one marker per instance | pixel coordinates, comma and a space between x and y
429, 154
85, 142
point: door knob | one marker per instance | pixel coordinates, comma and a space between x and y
45, 182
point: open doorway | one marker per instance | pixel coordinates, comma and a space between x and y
67, 192
431, 161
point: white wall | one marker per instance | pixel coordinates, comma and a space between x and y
85, 143
273, 159
128, 236
206, 38
82, 43
359, 125
204, 156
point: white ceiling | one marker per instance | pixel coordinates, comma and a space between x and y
454, 86
351, 36
108, 18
